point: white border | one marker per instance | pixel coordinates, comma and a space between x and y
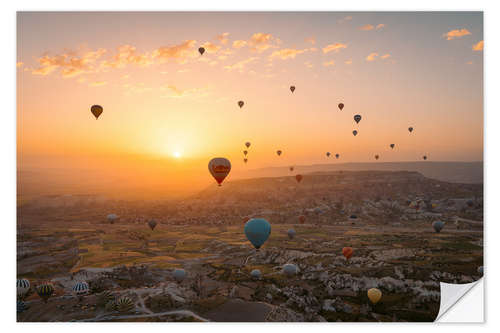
8, 142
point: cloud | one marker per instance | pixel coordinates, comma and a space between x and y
367, 27
308, 64
329, 63
380, 26
457, 33
211, 47
372, 56
180, 93
240, 65
136, 88
348, 62
478, 46
223, 38
345, 19
98, 83
469, 62
69, 63
238, 44
259, 42
385, 56
127, 55
311, 40
19, 64
179, 53
334, 47
287, 53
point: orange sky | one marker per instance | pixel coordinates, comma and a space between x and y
160, 97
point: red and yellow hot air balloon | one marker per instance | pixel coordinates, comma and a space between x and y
347, 252
302, 219
219, 167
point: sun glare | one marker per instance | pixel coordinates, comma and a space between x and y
177, 154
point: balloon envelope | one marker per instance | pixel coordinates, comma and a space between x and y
96, 110
341, 106
376, 157
278, 152
290, 269
291, 168
354, 132
292, 88
438, 225
152, 224
23, 285
302, 219
219, 167
357, 118
256, 274
291, 233
392, 145
298, 178
328, 154
347, 252
245, 160
201, 50
81, 288
337, 155
257, 232
410, 129
179, 274
374, 295
247, 144
424, 157
240, 104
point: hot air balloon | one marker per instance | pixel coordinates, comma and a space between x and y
424, 157
20, 306
124, 304
292, 89
219, 167
291, 233
438, 225
96, 110
302, 219
291, 168
341, 106
480, 270
337, 155
257, 232
112, 218
328, 154
374, 295
247, 144
347, 252
23, 286
298, 178
278, 152
290, 269
201, 50
357, 118
354, 132
410, 129
245, 152
353, 217
45, 291
246, 219
152, 224
80, 289
240, 104
376, 157
392, 145
179, 274
245, 160
255, 274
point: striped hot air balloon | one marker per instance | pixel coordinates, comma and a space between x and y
80, 289
124, 304
45, 291
23, 286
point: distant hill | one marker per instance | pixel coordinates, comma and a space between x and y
456, 172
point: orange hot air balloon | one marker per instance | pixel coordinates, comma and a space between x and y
298, 178
96, 110
302, 219
240, 104
219, 167
347, 252
341, 106
374, 295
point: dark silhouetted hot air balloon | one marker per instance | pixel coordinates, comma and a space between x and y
247, 144
152, 224
96, 110
424, 157
240, 104
438, 225
357, 118
337, 155
347, 252
291, 233
245, 152
201, 50
291, 168
298, 178
341, 106
392, 145
410, 129
278, 152
257, 232
354, 132
376, 157
328, 154
245, 160
292, 89
219, 167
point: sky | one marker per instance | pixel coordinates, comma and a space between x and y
168, 110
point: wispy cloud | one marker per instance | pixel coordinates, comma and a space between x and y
345, 19
372, 56
329, 63
179, 53
240, 65
287, 53
380, 26
367, 27
69, 64
478, 46
176, 92
336, 47
311, 40
385, 56
223, 38
457, 33
238, 44
127, 55
98, 83
348, 62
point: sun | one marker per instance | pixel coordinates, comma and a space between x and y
177, 154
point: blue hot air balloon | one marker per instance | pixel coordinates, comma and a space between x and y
438, 225
257, 232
